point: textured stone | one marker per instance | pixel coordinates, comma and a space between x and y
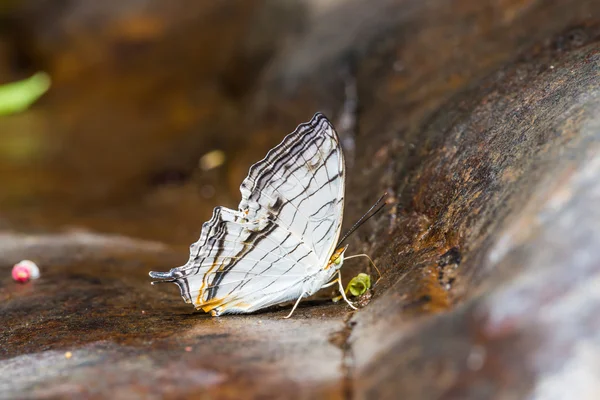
480, 120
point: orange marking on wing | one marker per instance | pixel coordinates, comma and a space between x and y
222, 304
205, 282
211, 304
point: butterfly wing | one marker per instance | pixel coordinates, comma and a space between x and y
284, 231
303, 177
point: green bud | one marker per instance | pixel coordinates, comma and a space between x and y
359, 284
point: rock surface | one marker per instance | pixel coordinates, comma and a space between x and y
480, 119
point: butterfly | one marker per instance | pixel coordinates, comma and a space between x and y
281, 244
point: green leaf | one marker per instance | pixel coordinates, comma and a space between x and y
18, 96
359, 284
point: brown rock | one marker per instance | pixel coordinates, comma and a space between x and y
480, 119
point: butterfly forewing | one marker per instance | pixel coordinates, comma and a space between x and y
284, 231
303, 179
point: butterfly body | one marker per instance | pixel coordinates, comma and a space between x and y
280, 244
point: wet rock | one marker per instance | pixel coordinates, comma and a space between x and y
511, 197
95, 302
479, 119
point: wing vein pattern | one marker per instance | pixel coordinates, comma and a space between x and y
283, 233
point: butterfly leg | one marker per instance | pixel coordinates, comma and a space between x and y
333, 282
339, 280
295, 305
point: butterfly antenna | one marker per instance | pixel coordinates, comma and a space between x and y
364, 218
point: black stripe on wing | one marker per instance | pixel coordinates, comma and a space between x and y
266, 178
240, 232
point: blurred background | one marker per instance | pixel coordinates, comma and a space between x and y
140, 92
123, 123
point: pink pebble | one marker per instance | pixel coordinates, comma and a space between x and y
21, 273
25, 270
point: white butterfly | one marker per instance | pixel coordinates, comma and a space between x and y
280, 244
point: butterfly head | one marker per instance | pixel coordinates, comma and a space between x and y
337, 258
